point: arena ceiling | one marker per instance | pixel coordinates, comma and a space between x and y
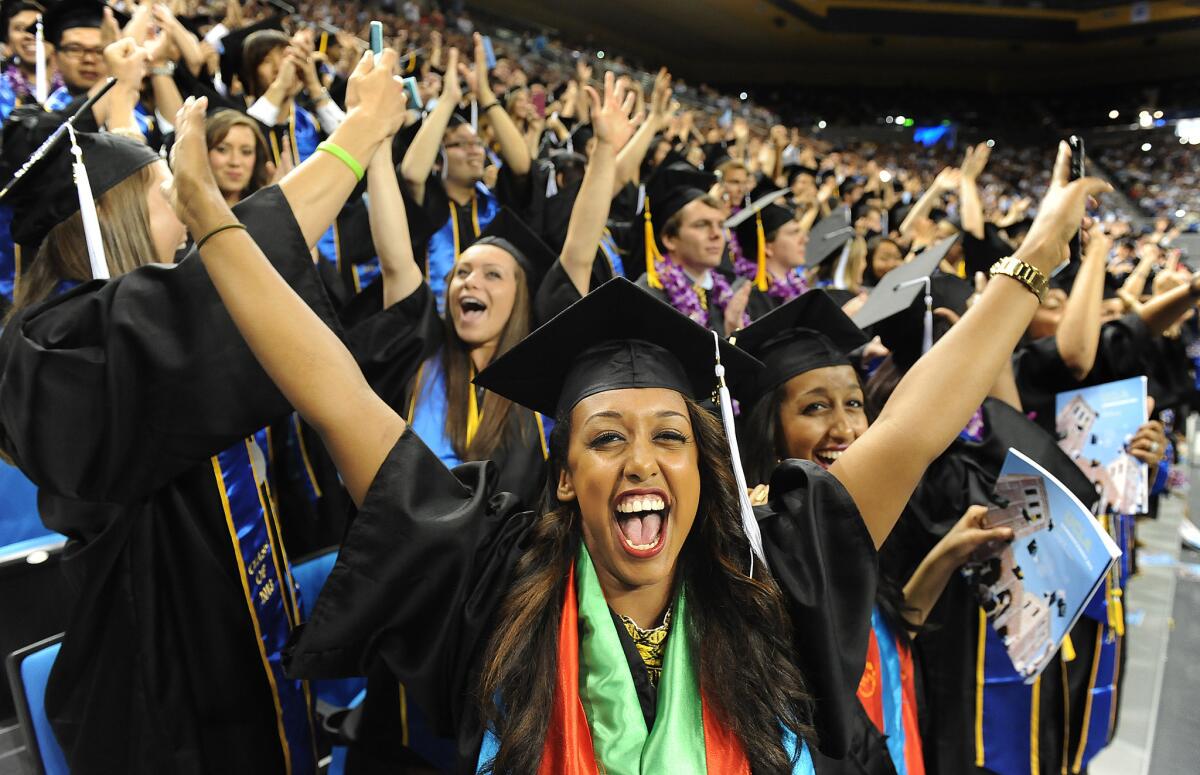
1000, 45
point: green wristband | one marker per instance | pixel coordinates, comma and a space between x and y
337, 151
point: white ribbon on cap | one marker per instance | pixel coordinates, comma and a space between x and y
927, 334
41, 88
87, 211
749, 523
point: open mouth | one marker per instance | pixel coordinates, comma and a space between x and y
827, 457
641, 521
472, 309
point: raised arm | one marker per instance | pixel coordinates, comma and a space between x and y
513, 148
969, 206
631, 155
1078, 334
389, 229
316, 190
610, 119
1168, 306
882, 468
305, 359
421, 154
946, 180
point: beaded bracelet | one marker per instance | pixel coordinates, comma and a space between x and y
344, 156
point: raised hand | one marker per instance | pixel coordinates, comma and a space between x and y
975, 160
126, 62
947, 180
1059, 215
193, 191
451, 86
378, 93
110, 31
660, 100
610, 115
735, 310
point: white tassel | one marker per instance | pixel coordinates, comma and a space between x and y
474, 116
749, 523
641, 200
839, 274
41, 88
927, 335
87, 210
551, 182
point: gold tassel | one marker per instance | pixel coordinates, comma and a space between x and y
760, 274
1068, 649
324, 42
652, 253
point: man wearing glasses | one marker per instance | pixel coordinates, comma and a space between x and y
73, 28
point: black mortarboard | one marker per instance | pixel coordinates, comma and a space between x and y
578, 139
897, 310
1190, 245
10, 8
793, 171
715, 154
70, 14
809, 332
512, 235
828, 236
754, 224
46, 195
616, 337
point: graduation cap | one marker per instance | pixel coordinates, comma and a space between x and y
715, 154
69, 14
232, 47
577, 140
671, 188
755, 222
63, 171
618, 337
828, 237
901, 314
809, 332
793, 171
512, 235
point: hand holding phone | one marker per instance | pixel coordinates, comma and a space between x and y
489, 53
376, 39
1078, 158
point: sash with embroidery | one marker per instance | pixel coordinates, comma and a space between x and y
270, 592
888, 693
596, 723
453, 237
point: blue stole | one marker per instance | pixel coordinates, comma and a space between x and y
452, 238
61, 97
1007, 709
609, 246
270, 592
8, 253
8, 100
430, 422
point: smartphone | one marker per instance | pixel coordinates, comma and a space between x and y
489, 53
1078, 161
377, 38
414, 94
539, 103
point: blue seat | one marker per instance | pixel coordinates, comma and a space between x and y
310, 574
28, 673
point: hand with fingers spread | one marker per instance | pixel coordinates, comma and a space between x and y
193, 190
1059, 215
975, 160
1149, 444
661, 113
477, 76
610, 115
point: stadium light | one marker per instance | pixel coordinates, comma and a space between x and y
1180, 213
1158, 114
1146, 146
821, 124
743, 95
599, 55
1114, 113
899, 119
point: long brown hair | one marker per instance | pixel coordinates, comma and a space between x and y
217, 128
496, 412
124, 226
738, 626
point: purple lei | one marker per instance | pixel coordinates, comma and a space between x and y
23, 87
786, 288
684, 295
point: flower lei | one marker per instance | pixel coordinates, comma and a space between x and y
23, 87
784, 288
684, 295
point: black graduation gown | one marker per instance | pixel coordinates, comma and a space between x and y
946, 651
716, 317
424, 570
390, 346
114, 399
1041, 374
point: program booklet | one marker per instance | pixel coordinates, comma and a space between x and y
1035, 587
1095, 426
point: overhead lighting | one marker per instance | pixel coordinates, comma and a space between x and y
599, 55
991, 143
1146, 146
743, 95
1180, 213
890, 119
1114, 113
1158, 114
1145, 119
821, 124
899, 119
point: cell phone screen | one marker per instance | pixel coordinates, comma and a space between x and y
377, 38
489, 52
1078, 164
539, 104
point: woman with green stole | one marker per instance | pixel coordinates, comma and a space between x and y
536, 636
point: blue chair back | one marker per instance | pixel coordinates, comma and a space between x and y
310, 574
29, 671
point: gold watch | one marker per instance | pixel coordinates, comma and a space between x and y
1029, 276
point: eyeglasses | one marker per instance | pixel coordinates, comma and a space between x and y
76, 51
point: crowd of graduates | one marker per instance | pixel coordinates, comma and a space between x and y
632, 457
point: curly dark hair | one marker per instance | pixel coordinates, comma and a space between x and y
738, 626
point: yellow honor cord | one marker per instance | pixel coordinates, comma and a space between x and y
474, 416
1068, 649
651, 249
760, 273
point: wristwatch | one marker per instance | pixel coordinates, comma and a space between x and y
1029, 276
